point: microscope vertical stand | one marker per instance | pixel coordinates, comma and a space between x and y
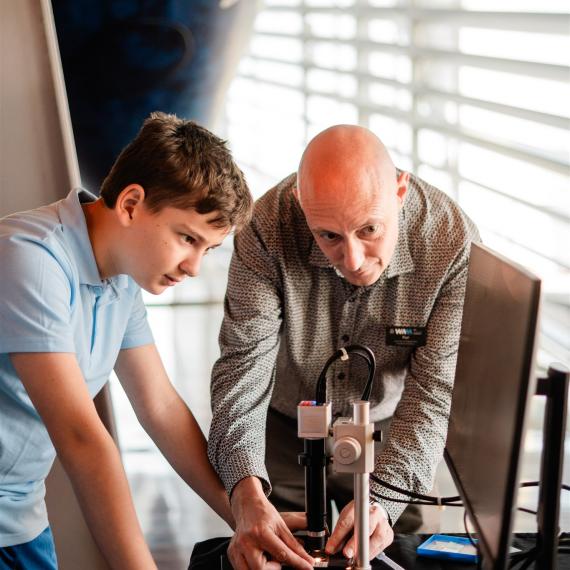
361, 497
354, 453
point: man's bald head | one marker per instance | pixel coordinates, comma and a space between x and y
344, 160
349, 191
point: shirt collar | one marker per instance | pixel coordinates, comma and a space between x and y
76, 234
317, 257
401, 261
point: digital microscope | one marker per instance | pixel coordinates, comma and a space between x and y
353, 452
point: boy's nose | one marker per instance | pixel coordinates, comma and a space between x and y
191, 265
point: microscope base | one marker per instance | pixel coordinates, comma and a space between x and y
331, 561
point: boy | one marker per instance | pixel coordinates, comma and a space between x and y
71, 311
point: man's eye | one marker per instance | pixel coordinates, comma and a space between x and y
371, 230
328, 236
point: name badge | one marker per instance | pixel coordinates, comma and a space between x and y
406, 336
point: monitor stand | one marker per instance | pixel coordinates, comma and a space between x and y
555, 388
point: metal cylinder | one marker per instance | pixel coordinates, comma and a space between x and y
361, 413
361, 416
361, 520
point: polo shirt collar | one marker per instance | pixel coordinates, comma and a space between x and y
401, 261
317, 257
76, 234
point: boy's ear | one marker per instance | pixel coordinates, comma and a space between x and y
128, 203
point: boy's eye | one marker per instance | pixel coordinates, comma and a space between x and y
188, 239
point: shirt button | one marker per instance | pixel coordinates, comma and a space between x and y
341, 376
345, 338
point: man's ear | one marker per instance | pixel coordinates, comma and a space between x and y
402, 183
129, 202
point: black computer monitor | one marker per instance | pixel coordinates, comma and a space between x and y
494, 382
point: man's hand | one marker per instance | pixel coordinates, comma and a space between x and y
261, 533
380, 531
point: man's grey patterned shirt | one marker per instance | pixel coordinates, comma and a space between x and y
287, 311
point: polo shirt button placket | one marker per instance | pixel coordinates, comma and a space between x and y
98, 293
346, 324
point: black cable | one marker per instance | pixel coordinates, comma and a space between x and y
472, 540
420, 496
469, 535
564, 487
371, 372
528, 561
523, 556
357, 349
376, 495
529, 511
442, 500
379, 496
528, 556
321, 394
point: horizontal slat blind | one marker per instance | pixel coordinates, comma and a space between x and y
471, 96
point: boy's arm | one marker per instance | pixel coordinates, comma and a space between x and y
58, 391
170, 423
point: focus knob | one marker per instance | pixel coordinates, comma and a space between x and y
346, 450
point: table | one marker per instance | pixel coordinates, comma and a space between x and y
211, 554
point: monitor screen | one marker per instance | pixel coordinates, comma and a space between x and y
494, 382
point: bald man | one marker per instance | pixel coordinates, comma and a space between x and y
348, 250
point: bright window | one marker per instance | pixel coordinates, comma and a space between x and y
471, 95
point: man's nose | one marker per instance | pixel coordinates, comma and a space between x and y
353, 254
191, 264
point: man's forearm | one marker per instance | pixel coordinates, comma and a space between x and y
242, 378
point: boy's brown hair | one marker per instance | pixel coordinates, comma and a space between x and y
181, 165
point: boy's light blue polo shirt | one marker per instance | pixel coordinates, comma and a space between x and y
52, 300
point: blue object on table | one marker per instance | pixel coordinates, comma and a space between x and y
448, 548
